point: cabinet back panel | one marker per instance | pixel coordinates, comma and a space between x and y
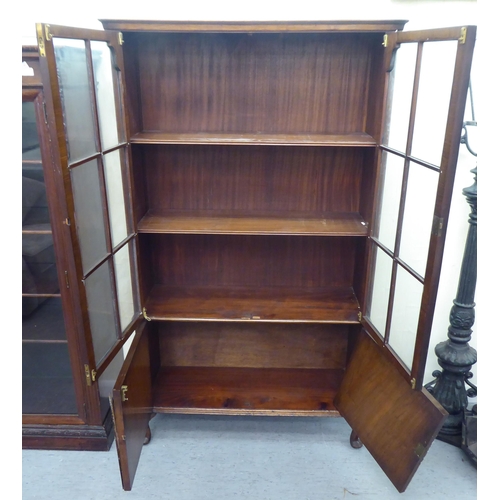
251, 261
262, 82
253, 178
253, 345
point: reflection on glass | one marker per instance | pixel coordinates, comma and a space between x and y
98, 287
405, 313
434, 92
46, 321
30, 142
47, 379
399, 113
391, 197
105, 93
72, 73
124, 289
116, 200
418, 216
89, 213
108, 378
380, 290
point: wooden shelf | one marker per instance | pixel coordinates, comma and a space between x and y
348, 140
247, 391
271, 304
342, 224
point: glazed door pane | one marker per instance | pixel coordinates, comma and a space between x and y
405, 313
417, 219
76, 97
109, 114
113, 166
101, 310
433, 101
87, 67
89, 214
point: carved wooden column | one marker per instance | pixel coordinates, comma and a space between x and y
455, 355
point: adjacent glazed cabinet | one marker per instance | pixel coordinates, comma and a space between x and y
62, 408
261, 208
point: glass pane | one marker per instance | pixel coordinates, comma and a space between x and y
380, 290
405, 313
124, 288
46, 372
105, 94
399, 112
108, 378
89, 213
76, 97
116, 199
392, 179
99, 291
47, 379
45, 321
418, 216
39, 270
434, 92
30, 142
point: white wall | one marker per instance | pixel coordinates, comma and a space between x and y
420, 13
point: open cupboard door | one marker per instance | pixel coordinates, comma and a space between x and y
381, 395
396, 423
132, 404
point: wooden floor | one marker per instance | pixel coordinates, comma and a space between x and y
200, 457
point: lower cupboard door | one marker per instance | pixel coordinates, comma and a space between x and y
396, 423
132, 404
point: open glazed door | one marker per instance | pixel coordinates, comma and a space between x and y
85, 108
381, 396
132, 404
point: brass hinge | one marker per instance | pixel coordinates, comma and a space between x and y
360, 316
41, 40
386, 40
90, 375
66, 278
437, 226
145, 314
120, 38
463, 35
123, 391
413, 382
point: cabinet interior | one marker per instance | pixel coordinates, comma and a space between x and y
254, 166
253, 368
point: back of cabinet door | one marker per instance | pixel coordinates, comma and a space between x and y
132, 404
